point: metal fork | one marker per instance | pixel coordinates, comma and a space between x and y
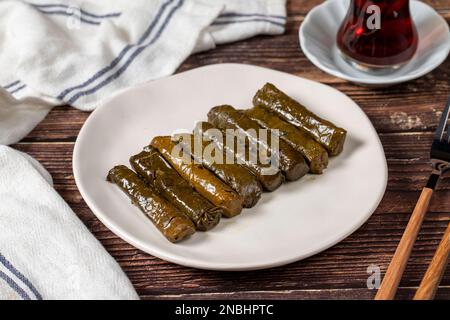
440, 160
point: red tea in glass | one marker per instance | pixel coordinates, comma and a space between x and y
378, 34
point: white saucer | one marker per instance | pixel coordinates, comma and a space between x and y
318, 42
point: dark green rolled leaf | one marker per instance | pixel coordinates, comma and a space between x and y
314, 153
236, 176
323, 131
269, 180
200, 178
151, 165
172, 223
291, 162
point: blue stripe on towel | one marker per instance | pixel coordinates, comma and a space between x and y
116, 60
82, 11
225, 22
130, 59
64, 13
12, 84
14, 286
20, 276
14, 87
18, 89
259, 15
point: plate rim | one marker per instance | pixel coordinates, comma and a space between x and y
193, 263
373, 80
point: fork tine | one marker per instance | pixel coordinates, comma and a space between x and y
442, 123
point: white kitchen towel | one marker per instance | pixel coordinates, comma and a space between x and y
46, 252
80, 52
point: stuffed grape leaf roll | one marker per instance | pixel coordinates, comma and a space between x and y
269, 177
291, 162
202, 180
314, 153
172, 223
151, 165
236, 176
323, 131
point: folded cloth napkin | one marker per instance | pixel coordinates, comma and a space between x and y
79, 52
45, 250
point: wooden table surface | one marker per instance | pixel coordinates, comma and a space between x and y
404, 116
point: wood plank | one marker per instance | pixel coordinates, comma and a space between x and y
335, 294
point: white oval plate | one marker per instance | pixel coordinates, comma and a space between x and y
296, 221
318, 42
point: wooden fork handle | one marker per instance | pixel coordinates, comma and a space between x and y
436, 269
398, 263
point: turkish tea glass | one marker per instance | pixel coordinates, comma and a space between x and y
378, 34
